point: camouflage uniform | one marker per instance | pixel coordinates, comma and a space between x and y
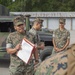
71, 60
55, 65
34, 34
60, 38
17, 66
62, 63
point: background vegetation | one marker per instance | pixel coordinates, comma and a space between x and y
39, 5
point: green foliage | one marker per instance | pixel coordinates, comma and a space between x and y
39, 5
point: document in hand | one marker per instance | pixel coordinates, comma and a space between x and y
26, 51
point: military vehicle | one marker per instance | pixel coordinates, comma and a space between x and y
6, 26
46, 37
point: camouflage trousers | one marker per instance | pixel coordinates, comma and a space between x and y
25, 69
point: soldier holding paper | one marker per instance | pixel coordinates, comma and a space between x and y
13, 45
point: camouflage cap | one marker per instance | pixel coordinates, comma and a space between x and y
62, 20
18, 20
38, 20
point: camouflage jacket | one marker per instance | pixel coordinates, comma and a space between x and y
34, 36
17, 66
15, 38
61, 37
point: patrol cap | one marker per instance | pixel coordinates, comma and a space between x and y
18, 20
38, 20
62, 20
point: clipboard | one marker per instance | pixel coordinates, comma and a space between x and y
26, 52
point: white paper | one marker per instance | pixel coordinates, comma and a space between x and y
26, 51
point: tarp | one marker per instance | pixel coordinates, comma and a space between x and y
62, 63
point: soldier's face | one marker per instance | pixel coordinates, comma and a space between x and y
19, 28
62, 25
39, 26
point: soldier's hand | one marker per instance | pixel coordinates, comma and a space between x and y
58, 50
18, 46
36, 63
42, 46
35, 45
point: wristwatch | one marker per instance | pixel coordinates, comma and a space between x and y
36, 60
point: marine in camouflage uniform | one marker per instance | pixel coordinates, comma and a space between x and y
34, 33
61, 37
35, 28
13, 44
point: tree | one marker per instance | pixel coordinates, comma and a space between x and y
39, 5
